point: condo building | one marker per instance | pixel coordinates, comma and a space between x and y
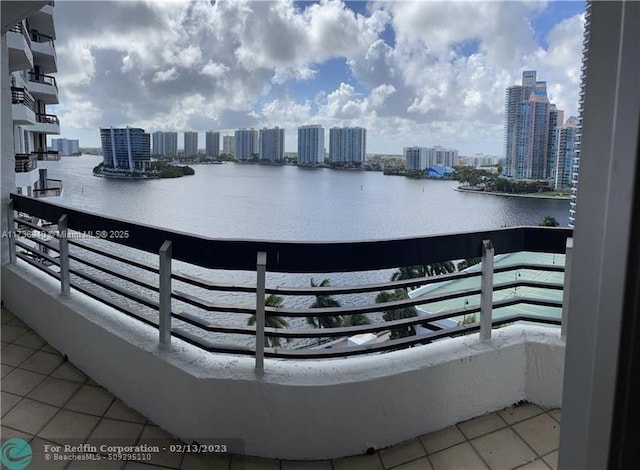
566, 145
246, 143
31, 62
66, 147
190, 144
421, 158
530, 126
310, 145
347, 144
157, 141
212, 144
170, 144
272, 144
228, 145
125, 149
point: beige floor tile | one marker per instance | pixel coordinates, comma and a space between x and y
4, 344
21, 382
503, 449
67, 371
91, 400
481, 425
518, 413
153, 435
42, 362
31, 339
420, 464
552, 459
293, 465
555, 414
402, 453
29, 416
17, 322
537, 464
11, 332
440, 440
360, 462
6, 316
10, 432
51, 349
54, 391
9, 400
206, 462
39, 460
14, 355
542, 433
69, 426
114, 432
459, 457
6, 369
118, 410
239, 462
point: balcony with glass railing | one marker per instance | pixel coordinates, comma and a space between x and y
197, 321
43, 87
44, 52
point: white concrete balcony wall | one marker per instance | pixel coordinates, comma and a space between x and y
294, 410
44, 92
22, 114
44, 55
44, 128
20, 55
42, 21
27, 178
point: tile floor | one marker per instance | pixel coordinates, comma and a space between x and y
47, 401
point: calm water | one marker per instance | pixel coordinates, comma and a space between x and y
289, 203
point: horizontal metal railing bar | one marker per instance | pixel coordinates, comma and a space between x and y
296, 257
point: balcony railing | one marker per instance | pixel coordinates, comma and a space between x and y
41, 78
20, 29
25, 163
48, 155
47, 118
127, 266
22, 96
41, 38
51, 188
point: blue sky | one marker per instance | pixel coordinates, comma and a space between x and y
412, 73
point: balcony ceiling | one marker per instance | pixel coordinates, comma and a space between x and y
15, 11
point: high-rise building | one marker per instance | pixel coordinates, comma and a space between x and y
125, 149
310, 145
190, 144
583, 83
157, 141
528, 129
170, 144
212, 144
347, 144
415, 158
246, 144
566, 150
556, 118
66, 147
421, 158
228, 145
272, 144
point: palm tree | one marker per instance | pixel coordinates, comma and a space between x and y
398, 313
324, 301
270, 321
356, 319
548, 221
468, 262
424, 270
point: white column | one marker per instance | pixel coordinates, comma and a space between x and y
7, 154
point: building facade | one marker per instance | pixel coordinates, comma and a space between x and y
190, 144
347, 144
157, 141
212, 144
228, 145
421, 158
170, 144
125, 149
272, 144
566, 151
311, 145
66, 147
246, 144
415, 158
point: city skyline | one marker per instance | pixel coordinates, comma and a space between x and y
353, 64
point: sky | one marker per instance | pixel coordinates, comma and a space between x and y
410, 72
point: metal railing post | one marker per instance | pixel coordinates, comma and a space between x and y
63, 240
568, 260
486, 290
261, 269
164, 314
11, 233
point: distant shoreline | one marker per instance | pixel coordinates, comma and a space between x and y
526, 195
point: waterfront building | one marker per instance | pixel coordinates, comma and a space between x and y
157, 140
170, 144
415, 158
556, 119
228, 145
246, 144
310, 145
190, 144
31, 60
66, 147
272, 144
566, 146
347, 144
421, 158
212, 144
125, 149
530, 123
